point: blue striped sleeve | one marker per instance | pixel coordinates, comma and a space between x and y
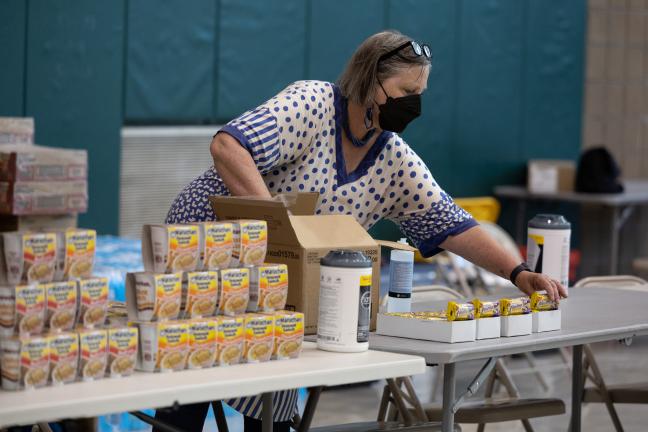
280, 130
257, 131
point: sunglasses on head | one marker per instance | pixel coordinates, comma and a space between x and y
419, 50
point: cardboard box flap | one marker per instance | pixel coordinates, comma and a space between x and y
275, 213
330, 231
396, 245
299, 204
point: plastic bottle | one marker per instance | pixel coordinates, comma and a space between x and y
401, 270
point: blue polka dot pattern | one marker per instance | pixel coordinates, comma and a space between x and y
392, 182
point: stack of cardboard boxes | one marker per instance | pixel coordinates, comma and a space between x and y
40, 187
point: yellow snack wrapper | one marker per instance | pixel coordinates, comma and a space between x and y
460, 311
486, 309
515, 306
542, 302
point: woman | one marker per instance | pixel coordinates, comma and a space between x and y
342, 141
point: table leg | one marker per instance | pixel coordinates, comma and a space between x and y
309, 410
614, 247
577, 387
266, 413
447, 424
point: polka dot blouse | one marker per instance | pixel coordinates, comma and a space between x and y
295, 141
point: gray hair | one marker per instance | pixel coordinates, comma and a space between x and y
360, 78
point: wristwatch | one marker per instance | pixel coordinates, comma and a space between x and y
517, 270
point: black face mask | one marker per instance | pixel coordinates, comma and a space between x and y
396, 113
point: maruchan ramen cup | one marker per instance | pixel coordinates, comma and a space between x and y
30, 257
250, 243
259, 337
486, 309
231, 340
93, 302
76, 253
460, 311
64, 357
175, 248
62, 301
515, 306
158, 296
268, 288
30, 309
542, 302
7, 311
122, 351
94, 354
234, 291
25, 362
203, 345
164, 346
216, 245
199, 294
289, 334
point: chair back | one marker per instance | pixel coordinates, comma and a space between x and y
617, 281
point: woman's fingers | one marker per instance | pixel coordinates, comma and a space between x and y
562, 290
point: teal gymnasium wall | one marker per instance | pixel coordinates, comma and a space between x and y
506, 83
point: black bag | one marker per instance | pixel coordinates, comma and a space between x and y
598, 172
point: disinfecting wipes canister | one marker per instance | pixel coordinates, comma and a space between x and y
548, 246
344, 302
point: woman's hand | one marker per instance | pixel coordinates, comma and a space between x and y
528, 282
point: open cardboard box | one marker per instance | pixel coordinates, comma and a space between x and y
299, 239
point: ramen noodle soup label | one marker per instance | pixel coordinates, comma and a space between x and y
234, 291
216, 245
7, 311
24, 362
122, 351
231, 340
94, 354
61, 305
76, 254
30, 309
175, 248
30, 257
268, 288
289, 334
203, 346
164, 346
250, 243
259, 338
93, 299
200, 292
64, 357
158, 296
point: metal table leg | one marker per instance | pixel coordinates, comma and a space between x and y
266, 415
309, 410
619, 218
159, 425
447, 424
577, 387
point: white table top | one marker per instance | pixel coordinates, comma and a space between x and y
148, 390
636, 192
589, 315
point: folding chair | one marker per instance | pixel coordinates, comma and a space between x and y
636, 393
